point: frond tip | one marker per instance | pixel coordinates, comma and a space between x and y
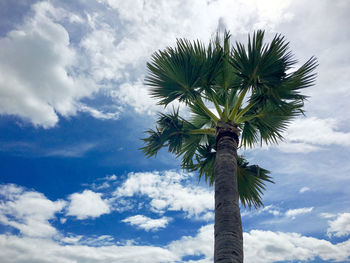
251, 183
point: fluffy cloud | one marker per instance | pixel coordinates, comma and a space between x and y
137, 96
112, 177
87, 204
200, 245
311, 133
299, 211
267, 246
270, 209
28, 250
304, 189
259, 246
40, 78
99, 114
327, 215
168, 191
28, 211
147, 223
340, 226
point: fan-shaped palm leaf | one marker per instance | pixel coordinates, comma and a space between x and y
182, 72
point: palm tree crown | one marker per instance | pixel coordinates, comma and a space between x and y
255, 89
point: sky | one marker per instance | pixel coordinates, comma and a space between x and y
74, 186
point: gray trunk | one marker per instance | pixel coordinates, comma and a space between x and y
228, 246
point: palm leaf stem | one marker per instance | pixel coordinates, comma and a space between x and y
233, 114
244, 111
226, 109
206, 110
217, 106
248, 118
210, 131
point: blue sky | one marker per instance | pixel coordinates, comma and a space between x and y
75, 188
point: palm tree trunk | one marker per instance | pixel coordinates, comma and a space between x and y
228, 226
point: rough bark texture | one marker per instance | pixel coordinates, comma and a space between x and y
228, 226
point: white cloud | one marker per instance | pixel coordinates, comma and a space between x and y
137, 96
327, 215
99, 114
339, 226
111, 56
71, 239
317, 131
299, 211
103, 182
270, 209
201, 244
77, 150
296, 147
259, 247
39, 73
147, 223
112, 177
310, 134
87, 204
168, 191
28, 211
267, 246
29, 250
95, 241
304, 189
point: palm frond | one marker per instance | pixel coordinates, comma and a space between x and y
249, 135
189, 150
302, 78
182, 72
204, 161
174, 72
171, 131
262, 66
199, 118
270, 122
251, 183
154, 142
251, 179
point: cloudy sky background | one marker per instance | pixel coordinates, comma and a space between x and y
75, 188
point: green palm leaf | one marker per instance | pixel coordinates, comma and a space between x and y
251, 178
182, 72
251, 183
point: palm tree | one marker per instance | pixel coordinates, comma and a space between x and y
254, 92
